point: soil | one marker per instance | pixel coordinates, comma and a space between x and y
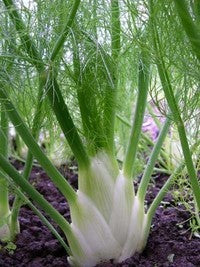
169, 244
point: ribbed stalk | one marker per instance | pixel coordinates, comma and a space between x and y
143, 84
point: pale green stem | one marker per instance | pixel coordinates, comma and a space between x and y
143, 84
152, 160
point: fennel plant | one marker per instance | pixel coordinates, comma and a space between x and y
109, 219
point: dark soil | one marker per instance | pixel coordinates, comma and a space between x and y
168, 244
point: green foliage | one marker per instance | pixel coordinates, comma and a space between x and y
71, 67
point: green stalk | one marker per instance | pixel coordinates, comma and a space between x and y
57, 101
62, 38
152, 160
143, 83
66, 123
165, 81
102, 135
31, 50
189, 26
84, 109
95, 124
35, 195
88, 107
90, 115
37, 212
4, 197
23, 131
111, 96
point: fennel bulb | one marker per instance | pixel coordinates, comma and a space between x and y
108, 220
